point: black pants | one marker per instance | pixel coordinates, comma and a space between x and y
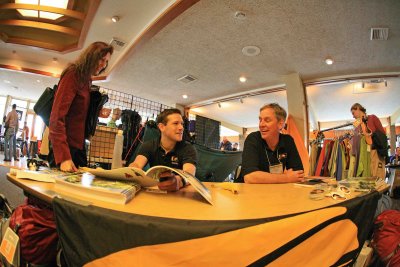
78, 157
25, 144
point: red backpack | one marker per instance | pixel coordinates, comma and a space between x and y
36, 229
386, 241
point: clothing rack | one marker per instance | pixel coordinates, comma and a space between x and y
320, 136
336, 127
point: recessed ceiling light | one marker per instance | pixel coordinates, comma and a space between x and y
243, 79
240, 15
251, 50
115, 19
329, 61
38, 81
185, 96
7, 81
40, 13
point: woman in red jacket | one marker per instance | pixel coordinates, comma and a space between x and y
70, 106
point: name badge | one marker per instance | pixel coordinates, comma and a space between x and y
276, 169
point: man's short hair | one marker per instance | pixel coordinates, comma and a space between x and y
14, 106
358, 106
163, 116
280, 112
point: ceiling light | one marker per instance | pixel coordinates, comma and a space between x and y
243, 79
241, 100
115, 19
185, 96
329, 61
240, 15
38, 81
55, 60
42, 14
251, 50
7, 81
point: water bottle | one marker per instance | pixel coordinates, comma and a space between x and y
117, 154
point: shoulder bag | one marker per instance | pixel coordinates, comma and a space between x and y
45, 103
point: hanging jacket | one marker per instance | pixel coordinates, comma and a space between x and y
97, 100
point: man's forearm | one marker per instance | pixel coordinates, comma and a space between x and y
260, 177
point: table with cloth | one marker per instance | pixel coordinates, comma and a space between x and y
276, 225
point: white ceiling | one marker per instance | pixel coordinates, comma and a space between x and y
206, 42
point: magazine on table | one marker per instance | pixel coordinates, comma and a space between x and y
150, 177
312, 181
83, 184
88, 185
43, 175
132, 176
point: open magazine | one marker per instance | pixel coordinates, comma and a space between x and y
150, 177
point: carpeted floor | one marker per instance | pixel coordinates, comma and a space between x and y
13, 193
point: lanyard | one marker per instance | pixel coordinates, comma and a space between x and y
277, 153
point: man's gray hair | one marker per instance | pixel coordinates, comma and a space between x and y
280, 112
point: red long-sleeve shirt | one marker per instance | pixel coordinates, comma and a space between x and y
374, 124
68, 116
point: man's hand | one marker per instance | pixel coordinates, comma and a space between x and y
169, 181
294, 176
68, 166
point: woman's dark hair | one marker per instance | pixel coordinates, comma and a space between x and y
359, 107
88, 60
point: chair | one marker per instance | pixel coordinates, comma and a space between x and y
215, 165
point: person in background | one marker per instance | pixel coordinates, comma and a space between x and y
9, 136
70, 107
268, 155
396, 157
169, 150
3, 130
25, 139
370, 125
225, 144
235, 147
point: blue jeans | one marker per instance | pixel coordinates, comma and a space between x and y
9, 143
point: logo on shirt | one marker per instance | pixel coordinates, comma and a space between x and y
282, 156
174, 160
